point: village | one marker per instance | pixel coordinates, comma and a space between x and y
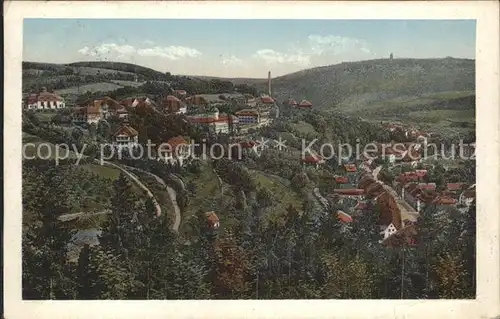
399, 201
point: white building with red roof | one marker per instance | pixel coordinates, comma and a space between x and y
44, 101
304, 104
125, 137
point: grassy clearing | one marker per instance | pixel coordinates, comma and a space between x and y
283, 195
206, 188
437, 115
45, 116
304, 128
101, 170
94, 87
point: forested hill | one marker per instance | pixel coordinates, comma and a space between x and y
360, 83
104, 76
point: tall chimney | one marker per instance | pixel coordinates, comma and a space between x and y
269, 83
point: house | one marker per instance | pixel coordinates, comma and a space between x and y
421, 173
314, 160
215, 122
444, 201
404, 236
173, 105
389, 231
389, 209
92, 113
427, 186
44, 101
134, 102
267, 100
212, 220
455, 187
248, 116
341, 179
197, 100
305, 105
343, 217
350, 168
125, 136
291, 102
181, 94
176, 151
250, 100
121, 113
467, 197
350, 192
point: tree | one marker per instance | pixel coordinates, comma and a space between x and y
101, 275
47, 273
103, 129
118, 231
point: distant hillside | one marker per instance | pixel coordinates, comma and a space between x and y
236, 81
106, 78
356, 84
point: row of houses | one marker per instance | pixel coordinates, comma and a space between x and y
304, 104
409, 132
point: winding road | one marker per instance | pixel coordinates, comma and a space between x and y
171, 194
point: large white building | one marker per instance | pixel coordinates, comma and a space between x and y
44, 101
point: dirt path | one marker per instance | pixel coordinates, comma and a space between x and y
68, 217
171, 194
139, 183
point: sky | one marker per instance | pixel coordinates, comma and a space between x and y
242, 48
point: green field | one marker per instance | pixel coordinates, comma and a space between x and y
304, 128
101, 170
283, 195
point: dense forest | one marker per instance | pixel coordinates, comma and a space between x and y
300, 257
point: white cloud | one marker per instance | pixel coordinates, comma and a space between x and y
275, 57
313, 51
231, 60
113, 50
149, 42
171, 52
320, 44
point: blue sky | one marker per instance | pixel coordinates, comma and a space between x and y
243, 48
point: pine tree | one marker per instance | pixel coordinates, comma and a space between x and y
117, 233
101, 275
47, 273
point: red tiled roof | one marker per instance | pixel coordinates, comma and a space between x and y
44, 97
247, 113
126, 130
342, 179
343, 217
176, 141
428, 186
421, 172
349, 191
454, 186
267, 100
248, 144
350, 168
305, 103
443, 200
212, 218
312, 159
